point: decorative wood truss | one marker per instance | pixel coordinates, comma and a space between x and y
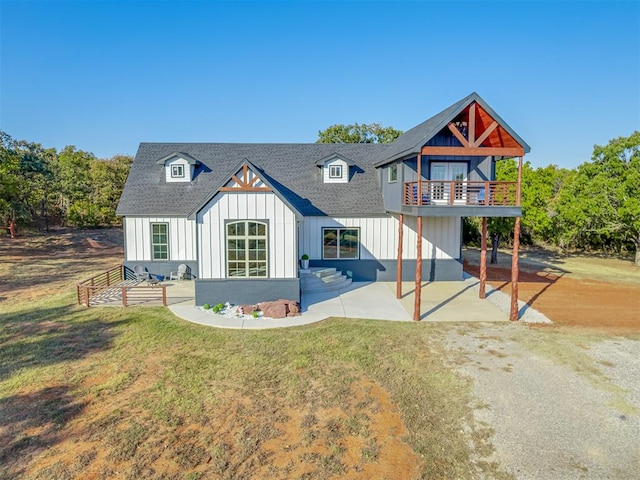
248, 182
479, 134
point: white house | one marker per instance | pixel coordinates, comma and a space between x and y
241, 215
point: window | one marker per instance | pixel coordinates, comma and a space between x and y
247, 249
335, 171
340, 243
160, 241
177, 171
393, 173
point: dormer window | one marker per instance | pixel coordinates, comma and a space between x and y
178, 167
177, 171
335, 171
336, 168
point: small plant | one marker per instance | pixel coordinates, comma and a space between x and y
304, 257
255, 314
206, 306
218, 307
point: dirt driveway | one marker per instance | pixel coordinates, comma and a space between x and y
562, 401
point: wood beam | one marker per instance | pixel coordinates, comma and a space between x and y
399, 269
472, 124
513, 314
485, 134
418, 287
458, 134
483, 259
474, 151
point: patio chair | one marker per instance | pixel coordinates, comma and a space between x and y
141, 273
179, 274
425, 196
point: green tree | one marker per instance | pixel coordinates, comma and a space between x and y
600, 205
358, 133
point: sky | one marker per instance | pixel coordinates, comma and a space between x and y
106, 75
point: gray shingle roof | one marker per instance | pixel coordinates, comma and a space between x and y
289, 168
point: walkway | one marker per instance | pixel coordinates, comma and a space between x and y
441, 302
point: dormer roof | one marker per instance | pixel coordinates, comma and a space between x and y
190, 160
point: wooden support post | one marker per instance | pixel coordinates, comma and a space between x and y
514, 312
513, 315
399, 267
483, 259
124, 296
86, 296
164, 295
418, 288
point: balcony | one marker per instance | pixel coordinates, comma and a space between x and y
461, 198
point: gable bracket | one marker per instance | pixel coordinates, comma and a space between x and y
245, 185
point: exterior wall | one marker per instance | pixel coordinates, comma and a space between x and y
177, 161
263, 206
238, 291
379, 237
392, 191
385, 270
182, 239
345, 171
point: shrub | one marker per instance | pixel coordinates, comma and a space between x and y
206, 306
218, 307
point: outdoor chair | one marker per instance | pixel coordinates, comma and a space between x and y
141, 273
425, 196
179, 274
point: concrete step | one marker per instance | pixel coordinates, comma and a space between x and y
323, 280
324, 272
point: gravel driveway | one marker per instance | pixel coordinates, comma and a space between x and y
559, 406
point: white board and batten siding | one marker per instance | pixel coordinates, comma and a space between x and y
182, 238
379, 236
282, 256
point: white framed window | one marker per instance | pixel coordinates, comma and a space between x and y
335, 171
177, 171
340, 243
160, 241
247, 249
393, 173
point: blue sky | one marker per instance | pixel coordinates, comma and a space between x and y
105, 76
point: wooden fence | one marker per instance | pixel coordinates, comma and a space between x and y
119, 282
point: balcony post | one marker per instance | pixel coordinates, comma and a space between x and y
514, 313
419, 165
483, 258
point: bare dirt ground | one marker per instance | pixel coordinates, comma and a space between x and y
37, 265
578, 290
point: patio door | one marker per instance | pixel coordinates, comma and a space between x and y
442, 174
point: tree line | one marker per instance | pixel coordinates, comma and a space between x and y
42, 187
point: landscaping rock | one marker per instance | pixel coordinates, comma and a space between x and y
273, 309
280, 308
247, 309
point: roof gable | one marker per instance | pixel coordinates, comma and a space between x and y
247, 178
412, 141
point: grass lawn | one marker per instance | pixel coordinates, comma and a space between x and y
137, 393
